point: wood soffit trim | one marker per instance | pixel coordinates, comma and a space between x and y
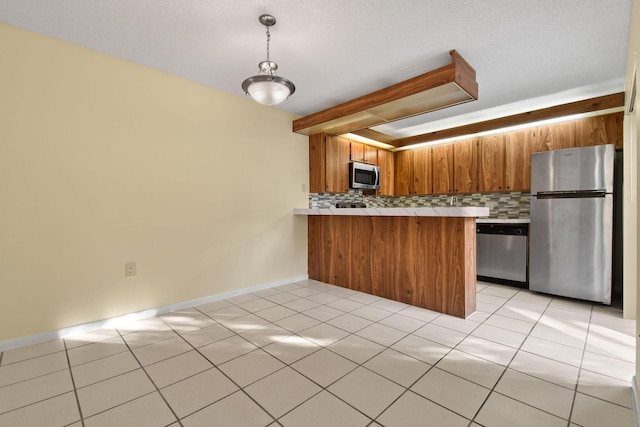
578, 107
450, 85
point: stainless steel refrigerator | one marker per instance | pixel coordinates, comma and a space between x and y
571, 227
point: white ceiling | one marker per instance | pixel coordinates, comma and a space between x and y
527, 54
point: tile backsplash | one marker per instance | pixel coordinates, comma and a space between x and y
501, 205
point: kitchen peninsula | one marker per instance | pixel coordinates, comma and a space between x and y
420, 256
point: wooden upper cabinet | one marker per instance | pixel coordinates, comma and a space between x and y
338, 153
540, 139
413, 172
317, 163
386, 163
403, 172
443, 168
491, 172
364, 153
495, 163
599, 130
371, 155
357, 152
422, 179
517, 161
563, 135
465, 171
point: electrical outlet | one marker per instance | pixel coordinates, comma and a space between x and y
130, 269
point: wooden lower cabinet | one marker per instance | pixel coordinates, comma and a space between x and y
428, 262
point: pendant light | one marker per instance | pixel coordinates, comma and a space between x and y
267, 87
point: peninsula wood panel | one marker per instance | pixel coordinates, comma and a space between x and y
423, 261
443, 168
450, 255
465, 157
361, 274
328, 249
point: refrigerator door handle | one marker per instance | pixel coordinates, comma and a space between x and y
570, 194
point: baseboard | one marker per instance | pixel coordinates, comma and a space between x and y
634, 396
106, 323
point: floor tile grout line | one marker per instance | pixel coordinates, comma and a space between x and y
157, 390
409, 388
584, 348
519, 349
506, 367
34, 357
33, 378
38, 401
339, 355
73, 383
180, 333
215, 366
467, 335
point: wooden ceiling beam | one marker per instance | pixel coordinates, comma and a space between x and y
446, 86
578, 107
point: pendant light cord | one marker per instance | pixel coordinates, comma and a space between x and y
268, 40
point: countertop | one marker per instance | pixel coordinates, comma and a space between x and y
453, 211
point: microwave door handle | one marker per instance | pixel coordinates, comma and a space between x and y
377, 176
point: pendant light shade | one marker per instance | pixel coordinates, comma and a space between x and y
267, 87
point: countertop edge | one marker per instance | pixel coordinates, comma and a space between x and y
453, 211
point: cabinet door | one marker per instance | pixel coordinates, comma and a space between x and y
371, 155
403, 172
442, 158
465, 157
517, 161
337, 164
422, 182
357, 152
385, 161
540, 139
563, 135
598, 130
491, 169
317, 159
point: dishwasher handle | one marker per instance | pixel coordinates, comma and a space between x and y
507, 230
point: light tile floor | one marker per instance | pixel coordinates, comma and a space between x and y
312, 354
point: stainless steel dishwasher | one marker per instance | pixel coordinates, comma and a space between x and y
502, 254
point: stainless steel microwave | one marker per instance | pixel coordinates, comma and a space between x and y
364, 176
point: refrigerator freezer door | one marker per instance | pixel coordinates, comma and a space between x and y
573, 169
571, 247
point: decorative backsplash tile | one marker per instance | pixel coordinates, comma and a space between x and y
501, 205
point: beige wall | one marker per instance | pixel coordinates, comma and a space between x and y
103, 161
